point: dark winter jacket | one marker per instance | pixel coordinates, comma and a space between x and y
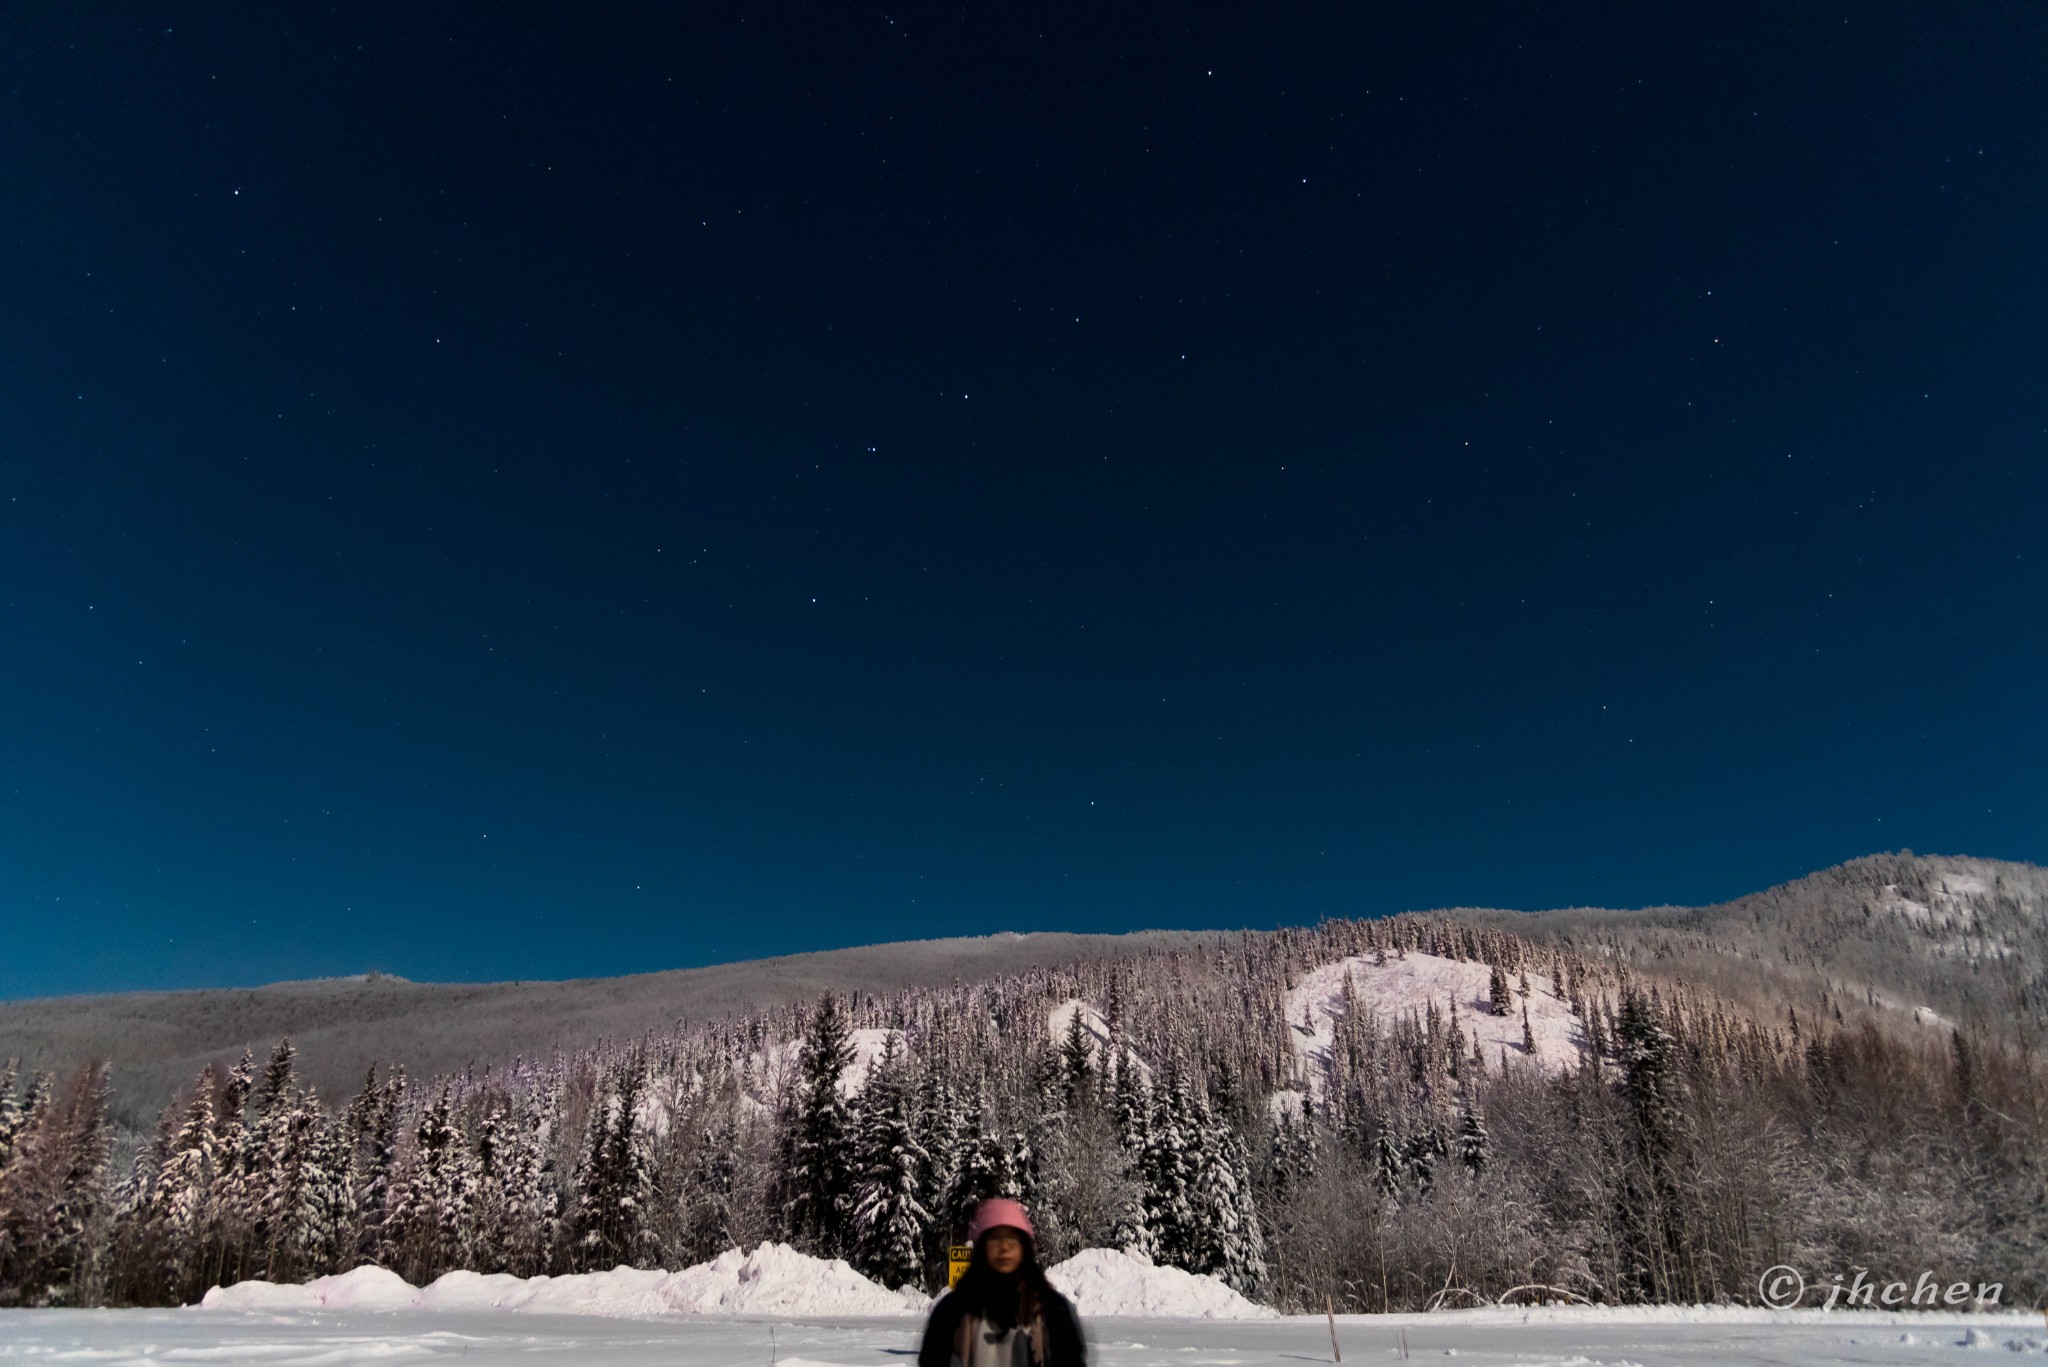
980, 1303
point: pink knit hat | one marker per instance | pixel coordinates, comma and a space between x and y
998, 1210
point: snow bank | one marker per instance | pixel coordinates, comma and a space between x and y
360, 1288
621, 1291
469, 1291
1108, 1281
774, 1279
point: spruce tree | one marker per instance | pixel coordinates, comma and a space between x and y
612, 1188
279, 1131
820, 1139
528, 1207
230, 1198
54, 1196
1223, 1235
431, 1212
939, 1126
182, 1194
1388, 1166
1471, 1136
1077, 1058
373, 1126
888, 1218
992, 1160
321, 1233
10, 1109
1168, 1169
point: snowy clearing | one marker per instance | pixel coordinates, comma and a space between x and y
1556, 1338
868, 1046
1402, 987
1095, 1028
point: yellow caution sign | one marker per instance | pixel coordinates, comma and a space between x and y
957, 1258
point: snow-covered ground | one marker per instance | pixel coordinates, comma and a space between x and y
775, 1307
1407, 986
484, 1338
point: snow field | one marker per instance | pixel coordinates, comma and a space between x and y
1407, 986
1493, 1338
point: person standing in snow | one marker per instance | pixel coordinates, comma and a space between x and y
1004, 1313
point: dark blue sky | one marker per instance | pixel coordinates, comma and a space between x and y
534, 491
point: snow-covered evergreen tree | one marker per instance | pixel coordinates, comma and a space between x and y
10, 1109
610, 1224
983, 1166
819, 1141
1168, 1169
1224, 1236
373, 1126
1471, 1136
320, 1234
939, 1126
888, 1218
433, 1201
1499, 997
54, 1194
1077, 1066
229, 1215
528, 1203
281, 1132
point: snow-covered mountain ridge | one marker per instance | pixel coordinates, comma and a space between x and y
1938, 939
1385, 1113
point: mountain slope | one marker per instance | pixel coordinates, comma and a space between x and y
158, 1041
1929, 940
1903, 939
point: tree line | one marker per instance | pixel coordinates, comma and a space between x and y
1690, 1146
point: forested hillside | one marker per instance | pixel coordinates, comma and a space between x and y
1393, 1114
156, 1041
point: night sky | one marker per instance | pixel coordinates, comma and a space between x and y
564, 490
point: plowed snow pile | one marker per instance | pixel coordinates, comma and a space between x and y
774, 1279
1108, 1281
360, 1288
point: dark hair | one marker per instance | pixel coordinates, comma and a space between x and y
983, 1289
